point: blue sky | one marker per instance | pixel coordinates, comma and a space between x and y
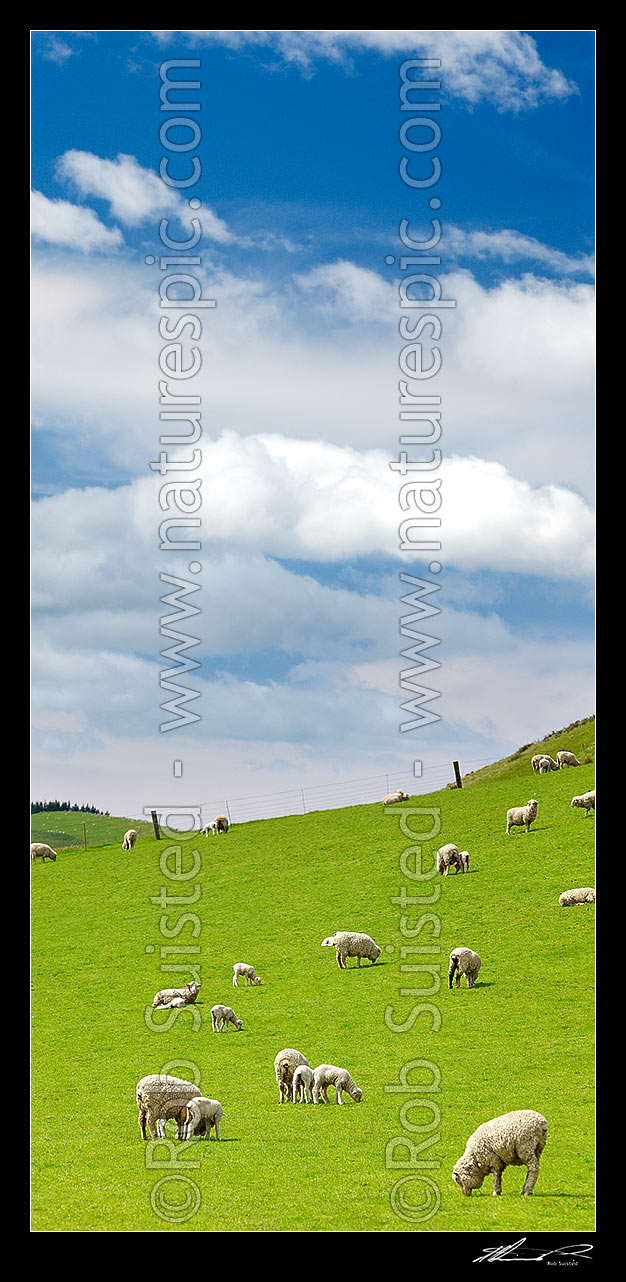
301, 203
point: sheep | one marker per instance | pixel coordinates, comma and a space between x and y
222, 1016
515, 1139
160, 1097
393, 797
535, 762
583, 895
222, 824
348, 943
242, 968
326, 1075
177, 996
464, 962
451, 857
130, 838
201, 1115
544, 766
566, 759
285, 1065
39, 850
521, 816
552, 762
587, 801
303, 1084
208, 828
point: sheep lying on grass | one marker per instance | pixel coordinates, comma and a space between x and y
221, 1017
201, 1115
303, 1084
248, 972
586, 802
393, 797
285, 1065
451, 857
159, 1098
348, 943
130, 838
464, 962
521, 816
177, 996
39, 850
326, 1075
566, 759
583, 895
515, 1139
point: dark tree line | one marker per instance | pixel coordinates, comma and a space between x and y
37, 807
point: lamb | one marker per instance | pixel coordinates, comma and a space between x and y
535, 762
242, 968
566, 759
515, 1139
464, 962
521, 816
285, 1065
160, 1097
130, 838
222, 824
201, 1115
393, 797
451, 857
177, 996
349, 943
326, 1075
39, 850
222, 1016
587, 801
303, 1084
583, 895
208, 828
544, 766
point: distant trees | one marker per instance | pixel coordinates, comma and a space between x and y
37, 807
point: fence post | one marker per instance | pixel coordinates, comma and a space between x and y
387, 781
85, 835
228, 813
457, 774
303, 802
155, 825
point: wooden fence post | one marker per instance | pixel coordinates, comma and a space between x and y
85, 835
228, 813
457, 774
155, 825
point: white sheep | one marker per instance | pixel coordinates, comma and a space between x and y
39, 850
222, 824
208, 828
463, 961
160, 1097
582, 895
534, 761
566, 759
201, 1115
177, 996
393, 797
303, 1084
586, 802
521, 816
349, 943
544, 766
285, 1065
326, 1075
515, 1139
451, 857
130, 838
248, 972
222, 1016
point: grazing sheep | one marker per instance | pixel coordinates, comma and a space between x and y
451, 857
587, 801
326, 1075
515, 1139
177, 996
285, 1065
201, 1115
39, 850
464, 962
393, 797
544, 766
222, 824
130, 838
160, 1097
303, 1084
348, 943
208, 828
566, 759
242, 968
221, 1017
583, 895
521, 816
535, 762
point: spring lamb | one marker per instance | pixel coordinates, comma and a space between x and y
201, 1115
451, 857
248, 972
348, 943
326, 1075
303, 1084
515, 1139
222, 1016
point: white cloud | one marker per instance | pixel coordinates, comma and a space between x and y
510, 246
59, 222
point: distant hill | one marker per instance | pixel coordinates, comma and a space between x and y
63, 829
579, 738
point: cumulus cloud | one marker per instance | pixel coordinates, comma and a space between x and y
508, 246
59, 222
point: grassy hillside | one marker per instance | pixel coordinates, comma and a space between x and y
270, 892
63, 829
579, 738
